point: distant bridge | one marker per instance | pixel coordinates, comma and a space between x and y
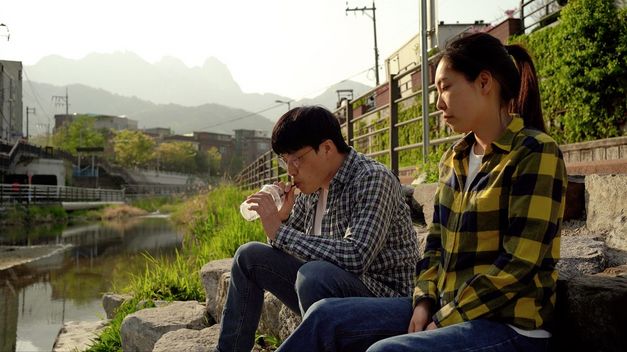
71, 198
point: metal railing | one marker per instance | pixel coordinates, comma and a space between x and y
536, 14
376, 115
24, 193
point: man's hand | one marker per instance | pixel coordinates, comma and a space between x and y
288, 200
270, 217
421, 317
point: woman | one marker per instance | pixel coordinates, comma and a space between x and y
487, 279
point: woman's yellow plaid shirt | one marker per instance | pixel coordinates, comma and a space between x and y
491, 251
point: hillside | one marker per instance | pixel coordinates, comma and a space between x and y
168, 81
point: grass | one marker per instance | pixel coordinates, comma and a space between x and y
33, 214
163, 204
213, 230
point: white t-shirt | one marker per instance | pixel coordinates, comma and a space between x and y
320, 208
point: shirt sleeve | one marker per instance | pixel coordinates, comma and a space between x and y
536, 205
372, 203
297, 216
428, 267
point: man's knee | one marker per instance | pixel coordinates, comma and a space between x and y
312, 274
251, 249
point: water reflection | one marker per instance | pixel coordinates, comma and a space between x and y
37, 298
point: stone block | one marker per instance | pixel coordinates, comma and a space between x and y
591, 314
606, 198
112, 301
222, 291
276, 319
425, 196
210, 275
77, 335
142, 329
289, 322
581, 255
188, 340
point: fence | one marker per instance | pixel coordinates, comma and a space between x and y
536, 14
22, 193
372, 124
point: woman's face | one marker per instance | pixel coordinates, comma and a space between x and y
461, 101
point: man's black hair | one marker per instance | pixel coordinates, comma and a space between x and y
307, 126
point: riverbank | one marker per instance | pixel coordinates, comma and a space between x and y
213, 229
14, 256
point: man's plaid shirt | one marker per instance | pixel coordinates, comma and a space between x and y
491, 252
366, 228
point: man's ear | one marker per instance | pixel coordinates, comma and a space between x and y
327, 146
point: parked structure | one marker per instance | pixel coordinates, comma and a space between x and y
10, 100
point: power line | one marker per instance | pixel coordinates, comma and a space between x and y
35, 94
274, 106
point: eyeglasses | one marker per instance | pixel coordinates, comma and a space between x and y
295, 162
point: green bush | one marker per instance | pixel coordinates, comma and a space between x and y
582, 65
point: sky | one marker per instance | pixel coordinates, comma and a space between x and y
296, 48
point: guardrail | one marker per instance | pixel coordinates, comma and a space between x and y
536, 14
371, 124
23, 193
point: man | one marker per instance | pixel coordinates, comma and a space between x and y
347, 234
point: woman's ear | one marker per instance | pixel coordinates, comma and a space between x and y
485, 81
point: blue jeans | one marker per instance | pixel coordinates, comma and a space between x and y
257, 267
380, 324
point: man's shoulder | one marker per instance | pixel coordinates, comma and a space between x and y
364, 166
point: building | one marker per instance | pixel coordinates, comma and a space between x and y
222, 142
158, 132
408, 55
182, 138
250, 144
106, 122
11, 100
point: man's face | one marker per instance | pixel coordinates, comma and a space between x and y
307, 168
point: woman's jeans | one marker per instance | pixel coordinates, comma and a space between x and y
380, 324
257, 267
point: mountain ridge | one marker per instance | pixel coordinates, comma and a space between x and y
169, 80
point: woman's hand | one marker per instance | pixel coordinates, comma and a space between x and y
421, 317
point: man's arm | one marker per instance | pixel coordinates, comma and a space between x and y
373, 198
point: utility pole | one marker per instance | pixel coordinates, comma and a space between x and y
285, 102
29, 110
60, 100
374, 22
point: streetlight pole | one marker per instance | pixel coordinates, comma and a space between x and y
374, 23
8, 35
29, 110
284, 102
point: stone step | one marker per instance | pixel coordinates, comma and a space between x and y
142, 329
188, 340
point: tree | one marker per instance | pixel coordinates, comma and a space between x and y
133, 149
176, 156
582, 64
214, 160
78, 133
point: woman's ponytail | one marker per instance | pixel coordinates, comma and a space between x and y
527, 104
